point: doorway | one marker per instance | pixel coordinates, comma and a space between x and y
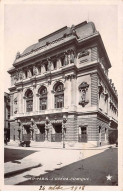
41, 136
83, 134
57, 137
27, 134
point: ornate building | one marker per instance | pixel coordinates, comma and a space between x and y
60, 90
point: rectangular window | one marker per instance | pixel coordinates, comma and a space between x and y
83, 134
59, 101
29, 105
43, 103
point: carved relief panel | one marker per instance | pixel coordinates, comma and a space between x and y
84, 56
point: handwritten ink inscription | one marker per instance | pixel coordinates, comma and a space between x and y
59, 187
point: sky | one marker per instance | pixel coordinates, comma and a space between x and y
24, 24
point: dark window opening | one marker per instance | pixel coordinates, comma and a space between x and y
31, 70
62, 61
99, 129
43, 98
59, 101
83, 135
26, 74
29, 101
46, 67
57, 137
39, 69
59, 96
43, 103
55, 64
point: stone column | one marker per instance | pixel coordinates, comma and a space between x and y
73, 90
34, 98
11, 105
20, 102
23, 102
37, 102
49, 97
69, 57
67, 93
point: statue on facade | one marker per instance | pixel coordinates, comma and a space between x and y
72, 56
21, 75
18, 55
49, 64
43, 68
66, 60
16, 76
35, 70
83, 89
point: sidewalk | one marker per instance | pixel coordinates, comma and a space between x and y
58, 145
44, 161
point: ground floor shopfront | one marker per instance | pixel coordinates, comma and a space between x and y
64, 127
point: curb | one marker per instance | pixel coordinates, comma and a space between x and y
16, 172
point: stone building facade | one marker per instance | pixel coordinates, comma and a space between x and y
60, 90
6, 117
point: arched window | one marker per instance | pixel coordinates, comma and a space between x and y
29, 100
43, 98
59, 95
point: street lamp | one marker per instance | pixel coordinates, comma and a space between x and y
19, 130
46, 126
64, 129
31, 128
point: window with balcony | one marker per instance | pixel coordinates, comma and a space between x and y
59, 95
43, 98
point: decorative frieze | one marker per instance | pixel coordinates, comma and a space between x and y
70, 76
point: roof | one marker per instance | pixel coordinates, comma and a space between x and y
83, 30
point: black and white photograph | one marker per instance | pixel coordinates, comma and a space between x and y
61, 84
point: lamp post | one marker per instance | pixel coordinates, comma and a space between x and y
32, 130
19, 130
46, 126
64, 129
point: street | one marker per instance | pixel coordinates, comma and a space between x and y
62, 167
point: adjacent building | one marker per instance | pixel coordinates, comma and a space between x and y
6, 117
60, 90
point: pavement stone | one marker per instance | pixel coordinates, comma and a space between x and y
50, 159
